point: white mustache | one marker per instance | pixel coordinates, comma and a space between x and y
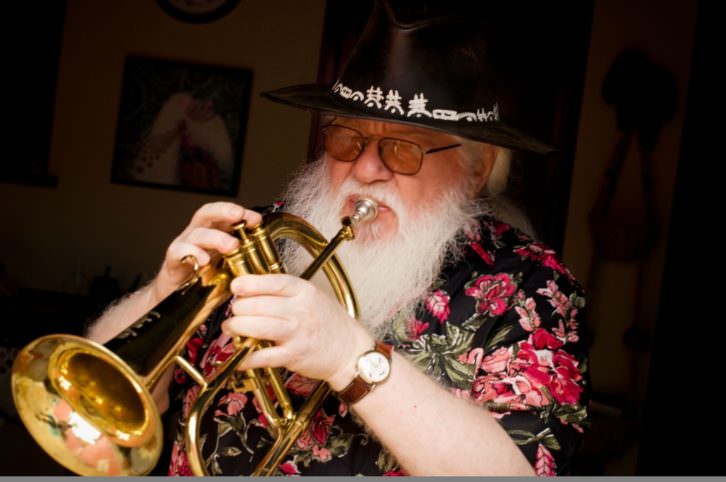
378, 192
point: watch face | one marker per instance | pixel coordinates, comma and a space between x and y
373, 367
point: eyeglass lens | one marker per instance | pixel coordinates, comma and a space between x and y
346, 144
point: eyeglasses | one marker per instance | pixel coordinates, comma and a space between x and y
398, 155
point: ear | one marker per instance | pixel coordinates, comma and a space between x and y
487, 157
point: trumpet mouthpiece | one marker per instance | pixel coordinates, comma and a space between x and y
365, 210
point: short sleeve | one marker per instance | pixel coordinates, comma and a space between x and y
501, 327
530, 368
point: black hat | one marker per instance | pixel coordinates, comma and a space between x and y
442, 72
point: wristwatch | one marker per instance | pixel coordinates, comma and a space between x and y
372, 368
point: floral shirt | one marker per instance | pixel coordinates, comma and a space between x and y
500, 328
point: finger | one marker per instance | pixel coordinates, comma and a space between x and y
268, 284
273, 356
225, 214
259, 327
213, 239
265, 306
180, 249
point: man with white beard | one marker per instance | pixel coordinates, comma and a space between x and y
468, 326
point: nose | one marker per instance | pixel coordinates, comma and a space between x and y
369, 167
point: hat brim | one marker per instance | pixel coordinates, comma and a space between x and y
317, 98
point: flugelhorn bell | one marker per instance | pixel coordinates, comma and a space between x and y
89, 406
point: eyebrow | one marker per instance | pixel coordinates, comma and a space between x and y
404, 131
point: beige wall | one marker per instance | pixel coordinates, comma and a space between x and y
87, 222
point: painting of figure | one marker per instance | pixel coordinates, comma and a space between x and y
181, 126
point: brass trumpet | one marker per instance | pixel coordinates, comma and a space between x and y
89, 406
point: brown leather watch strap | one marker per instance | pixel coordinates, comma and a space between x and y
355, 390
359, 388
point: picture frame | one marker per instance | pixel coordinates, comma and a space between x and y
197, 11
181, 125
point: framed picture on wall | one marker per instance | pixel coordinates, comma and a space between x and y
181, 126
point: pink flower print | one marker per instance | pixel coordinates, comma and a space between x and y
321, 453
262, 419
560, 331
557, 298
521, 394
317, 432
438, 304
305, 440
516, 393
542, 338
342, 409
300, 385
485, 255
492, 293
415, 328
218, 352
556, 371
573, 324
179, 464
472, 357
501, 228
533, 364
483, 389
528, 317
496, 361
496, 229
472, 232
289, 468
180, 376
395, 473
544, 465
234, 401
189, 398
503, 394
321, 426
527, 392
564, 389
546, 256
564, 386
192, 347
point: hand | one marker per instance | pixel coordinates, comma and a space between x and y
313, 335
208, 231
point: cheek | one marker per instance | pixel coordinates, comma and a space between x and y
339, 172
447, 176
427, 187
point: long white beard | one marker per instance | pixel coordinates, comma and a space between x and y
389, 275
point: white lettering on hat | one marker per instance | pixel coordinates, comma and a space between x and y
491, 115
393, 102
416, 105
445, 114
467, 116
346, 92
374, 96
